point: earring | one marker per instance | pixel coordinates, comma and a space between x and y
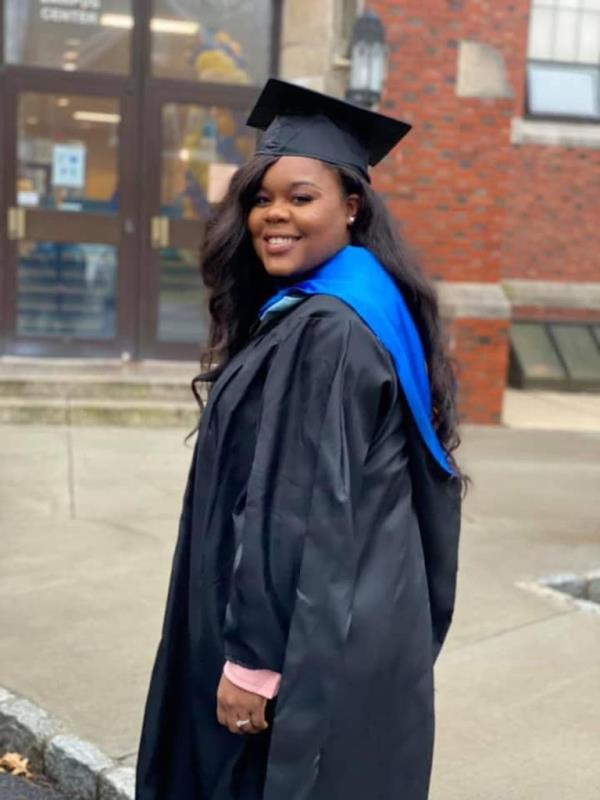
351, 220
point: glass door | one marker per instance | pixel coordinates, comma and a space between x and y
121, 124
206, 62
188, 167
69, 223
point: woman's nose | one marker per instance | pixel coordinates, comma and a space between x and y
277, 211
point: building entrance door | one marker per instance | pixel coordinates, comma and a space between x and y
196, 140
121, 122
203, 66
70, 217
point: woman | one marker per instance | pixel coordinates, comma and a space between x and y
314, 576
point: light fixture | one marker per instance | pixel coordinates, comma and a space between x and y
367, 61
63, 102
157, 24
116, 21
184, 154
181, 26
69, 66
70, 55
96, 116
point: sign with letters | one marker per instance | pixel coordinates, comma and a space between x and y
73, 12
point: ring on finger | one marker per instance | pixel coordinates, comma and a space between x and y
241, 722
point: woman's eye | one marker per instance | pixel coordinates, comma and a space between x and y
261, 200
302, 198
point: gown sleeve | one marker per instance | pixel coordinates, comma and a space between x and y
437, 498
319, 412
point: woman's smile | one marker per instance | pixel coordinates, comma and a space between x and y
279, 244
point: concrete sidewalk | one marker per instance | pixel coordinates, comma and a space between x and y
88, 519
552, 411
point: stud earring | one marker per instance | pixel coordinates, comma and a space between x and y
351, 220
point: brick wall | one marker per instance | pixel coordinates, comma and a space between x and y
480, 347
477, 207
552, 229
447, 182
474, 203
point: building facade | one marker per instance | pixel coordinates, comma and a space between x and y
499, 184
122, 120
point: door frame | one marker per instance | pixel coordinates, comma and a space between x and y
3, 201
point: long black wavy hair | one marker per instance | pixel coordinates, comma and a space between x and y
238, 284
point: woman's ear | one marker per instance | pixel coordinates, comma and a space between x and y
352, 208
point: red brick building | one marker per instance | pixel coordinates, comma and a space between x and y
499, 185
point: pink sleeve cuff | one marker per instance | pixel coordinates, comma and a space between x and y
259, 681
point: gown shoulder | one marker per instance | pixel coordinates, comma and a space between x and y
329, 328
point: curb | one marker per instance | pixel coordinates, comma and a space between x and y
568, 590
77, 768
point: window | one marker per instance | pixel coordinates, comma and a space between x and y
563, 69
75, 36
555, 355
223, 41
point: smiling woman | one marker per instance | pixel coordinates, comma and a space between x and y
314, 577
301, 216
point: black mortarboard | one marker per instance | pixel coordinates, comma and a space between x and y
301, 122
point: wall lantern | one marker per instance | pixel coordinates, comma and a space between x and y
368, 57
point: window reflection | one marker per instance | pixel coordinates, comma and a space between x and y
66, 290
225, 41
67, 151
566, 31
564, 90
563, 70
183, 315
202, 147
212, 40
578, 351
69, 36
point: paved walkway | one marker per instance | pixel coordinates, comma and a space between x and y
88, 518
558, 411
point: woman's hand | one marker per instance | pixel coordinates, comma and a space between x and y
235, 704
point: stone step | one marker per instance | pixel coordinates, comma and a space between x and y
97, 392
67, 386
98, 411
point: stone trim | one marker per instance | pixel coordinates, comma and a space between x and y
481, 71
76, 767
553, 294
472, 300
310, 42
557, 134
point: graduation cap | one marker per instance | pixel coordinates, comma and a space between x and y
301, 122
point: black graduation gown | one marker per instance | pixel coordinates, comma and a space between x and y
319, 539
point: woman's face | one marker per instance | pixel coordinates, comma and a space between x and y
300, 216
